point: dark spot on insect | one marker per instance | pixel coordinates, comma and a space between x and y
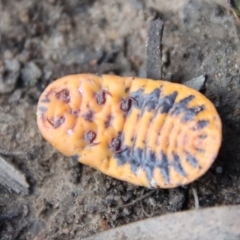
121, 150
89, 116
125, 104
63, 95
166, 103
45, 100
163, 165
115, 144
181, 106
107, 123
135, 159
75, 157
202, 124
203, 136
90, 136
123, 156
126, 90
100, 97
42, 109
177, 164
48, 93
57, 122
191, 112
148, 164
151, 100
200, 150
94, 144
75, 112
192, 160
139, 98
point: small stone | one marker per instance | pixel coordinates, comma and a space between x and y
177, 197
24, 56
16, 96
52, 1
219, 170
8, 54
137, 4
196, 83
30, 74
24, 16
9, 77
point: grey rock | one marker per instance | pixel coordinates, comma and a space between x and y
30, 74
177, 197
9, 76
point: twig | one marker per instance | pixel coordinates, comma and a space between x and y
137, 200
154, 50
196, 200
9, 154
12, 178
148, 215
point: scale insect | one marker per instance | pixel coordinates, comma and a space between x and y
146, 132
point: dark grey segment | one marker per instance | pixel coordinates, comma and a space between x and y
126, 89
123, 157
148, 164
136, 159
200, 150
100, 97
63, 95
59, 122
163, 165
90, 136
108, 121
89, 116
75, 112
190, 113
181, 106
115, 144
42, 109
151, 100
126, 104
46, 100
138, 96
75, 157
166, 103
177, 164
203, 136
192, 160
202, 124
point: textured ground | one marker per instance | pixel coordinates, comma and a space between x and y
43, 40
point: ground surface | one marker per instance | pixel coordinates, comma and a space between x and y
43, 40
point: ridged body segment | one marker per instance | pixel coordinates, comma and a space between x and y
149, 133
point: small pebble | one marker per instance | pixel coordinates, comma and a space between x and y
219, 170
16, 96
8, 54
30, 74
10, 75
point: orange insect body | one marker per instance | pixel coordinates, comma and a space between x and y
146, 132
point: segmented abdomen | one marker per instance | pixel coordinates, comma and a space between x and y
149, 133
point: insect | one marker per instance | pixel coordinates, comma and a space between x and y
146, 132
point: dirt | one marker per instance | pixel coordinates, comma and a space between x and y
43, 40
